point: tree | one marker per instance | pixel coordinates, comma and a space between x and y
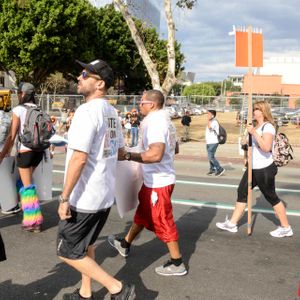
39, 37
202, 89
170, 78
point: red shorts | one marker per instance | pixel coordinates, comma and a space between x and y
154, 212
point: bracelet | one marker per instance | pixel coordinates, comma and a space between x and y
62, 199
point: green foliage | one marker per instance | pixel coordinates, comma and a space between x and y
41, 37
203, 89
217, 86
186, 3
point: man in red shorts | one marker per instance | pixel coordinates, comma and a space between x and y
154, 212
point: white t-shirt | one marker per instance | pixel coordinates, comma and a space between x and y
261, 159
95, 130
158, 128
211, 133
20, 111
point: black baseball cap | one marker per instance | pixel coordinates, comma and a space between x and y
101, 68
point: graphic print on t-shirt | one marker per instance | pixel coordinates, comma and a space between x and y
110, 142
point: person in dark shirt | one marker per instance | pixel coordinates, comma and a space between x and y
185, 121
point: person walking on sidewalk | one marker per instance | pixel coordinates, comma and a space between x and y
263, 173
95, 141
212, 143
186, 121
154, 212
27, 160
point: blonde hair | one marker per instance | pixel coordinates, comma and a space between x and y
265, 108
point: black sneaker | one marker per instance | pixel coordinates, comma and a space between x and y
127, 293
11, 211
76, 296
220, 172
211, 173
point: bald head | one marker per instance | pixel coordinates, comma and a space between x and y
156, 96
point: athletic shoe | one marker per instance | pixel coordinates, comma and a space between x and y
228, 226
116, 243
211, 173
11, 211
75, 296
169, 269
127, 293
220, 172
282, 232
32, 228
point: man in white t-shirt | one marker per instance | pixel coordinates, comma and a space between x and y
154, 212
95, 141
212, 143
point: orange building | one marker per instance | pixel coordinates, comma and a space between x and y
270, 85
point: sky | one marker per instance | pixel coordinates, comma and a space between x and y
203, 33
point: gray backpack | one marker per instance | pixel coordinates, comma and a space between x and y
38, 129
5, 122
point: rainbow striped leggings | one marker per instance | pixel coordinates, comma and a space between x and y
32, 214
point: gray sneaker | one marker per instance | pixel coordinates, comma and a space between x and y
116, 243
228, 226
169, 269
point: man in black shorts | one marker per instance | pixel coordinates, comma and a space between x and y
95, 141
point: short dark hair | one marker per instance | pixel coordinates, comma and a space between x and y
156, 96
213, 112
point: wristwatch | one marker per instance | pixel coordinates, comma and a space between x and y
62, 199
128, 156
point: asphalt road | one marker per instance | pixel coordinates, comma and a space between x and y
221, 265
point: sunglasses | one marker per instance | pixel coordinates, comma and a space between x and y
256, 108
86, 74
145, 102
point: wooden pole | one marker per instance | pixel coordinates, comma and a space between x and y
249, 122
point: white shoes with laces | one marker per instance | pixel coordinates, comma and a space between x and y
227, 225
281, 232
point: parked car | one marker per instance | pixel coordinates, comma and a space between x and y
280, 118
292, 112
295, 120
197, 110
172, 112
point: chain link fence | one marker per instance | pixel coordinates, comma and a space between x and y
53, 104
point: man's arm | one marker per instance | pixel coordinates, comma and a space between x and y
75, 167
154, 154
121, 153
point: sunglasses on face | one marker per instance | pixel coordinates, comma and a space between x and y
142, 101
256, 108
86, 74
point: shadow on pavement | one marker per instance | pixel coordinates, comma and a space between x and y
143, 256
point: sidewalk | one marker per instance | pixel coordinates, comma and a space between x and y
225, 153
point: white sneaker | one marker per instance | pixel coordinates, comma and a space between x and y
282, 232
228, 226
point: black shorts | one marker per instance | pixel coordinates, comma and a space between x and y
79, 232
29, 159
